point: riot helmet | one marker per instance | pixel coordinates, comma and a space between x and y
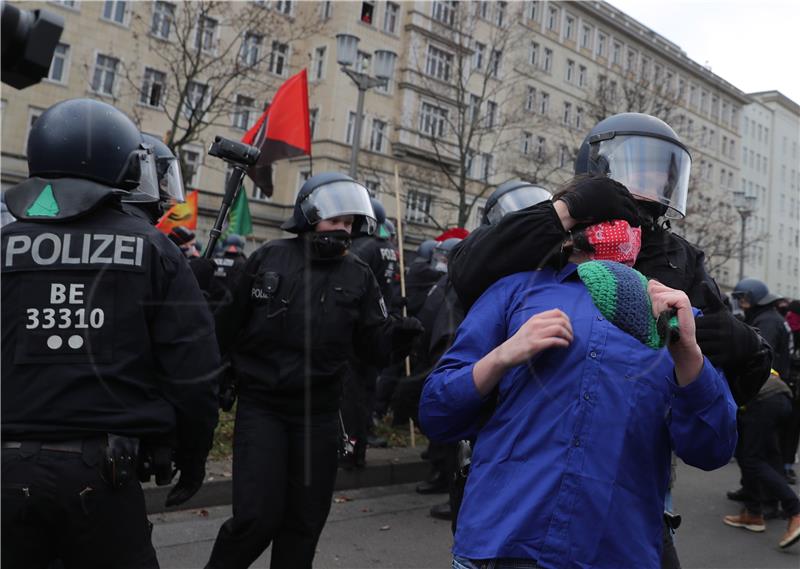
329, 195
380, 212
233, 244
391, 230
88, 139
441, 253
754, 291
168, 169
644, 154
425, 250
513, 195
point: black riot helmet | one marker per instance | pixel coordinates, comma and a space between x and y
513, 195
441, 253
168, 169
644, 154
88, 139
755, 291
380, 220
233, 243
425, 251
330, 195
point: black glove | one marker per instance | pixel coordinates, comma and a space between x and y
722, 338
193, 472
405, 331
600, 198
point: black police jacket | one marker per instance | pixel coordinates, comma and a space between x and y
382, 258
296, 320
104, 328
531, 238
773, 328
420, 277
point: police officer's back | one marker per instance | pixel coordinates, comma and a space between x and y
98, 358
379, 253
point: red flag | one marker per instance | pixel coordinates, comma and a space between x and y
282, 131
453, 232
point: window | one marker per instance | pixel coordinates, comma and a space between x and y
251, 48
278, 58
693, 95
601, 44
153, 87
582, 73
244, 109
586, 37
367, 11
483, 9
363, 61
474, 109
732, 152
526, 146
418, 207
163, 16
530, 99
285, 7
58, 67
326, 10
569, 27
491, 114
114, 11
570, 76
313, 116
318, 63
500, 13
547, 64
190, 160
533, 10
494, 63
541, 148
567, 117
105, 74
578, 118
66, 3
206, 30
432, 120
390, 17
715, 107
378, 135
533, 54
552, 19
444, 11
194, 104
351, 126
617, 53
563, 157
544, 103
487, 163
439, 63
704, 102
478, 55
373, 186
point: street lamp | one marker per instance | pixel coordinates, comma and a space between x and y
347, 55
746, 206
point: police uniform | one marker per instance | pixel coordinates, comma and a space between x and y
104, 332
296, 319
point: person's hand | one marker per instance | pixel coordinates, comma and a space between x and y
685, 351
599, 199
193, 472
723, 338
549, 329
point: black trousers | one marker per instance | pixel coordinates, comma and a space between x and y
358, 399
55, 505
759, 456
284, 471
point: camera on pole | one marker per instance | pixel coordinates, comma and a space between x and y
241, 156
29, 40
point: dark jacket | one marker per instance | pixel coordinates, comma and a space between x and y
107, 334
420, 277
382, 258
531, 238
772, 327
289, 305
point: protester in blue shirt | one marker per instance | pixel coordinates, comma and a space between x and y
572, 468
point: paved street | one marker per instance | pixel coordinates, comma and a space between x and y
389, 528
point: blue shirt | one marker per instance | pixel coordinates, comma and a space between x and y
572, 468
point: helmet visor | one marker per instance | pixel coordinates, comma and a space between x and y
147, 190
651, 168
170, 180
515, 200
338, 199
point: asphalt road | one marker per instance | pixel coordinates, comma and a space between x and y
390, 528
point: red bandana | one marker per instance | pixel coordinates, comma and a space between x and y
615, 241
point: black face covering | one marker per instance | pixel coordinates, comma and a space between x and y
329, 244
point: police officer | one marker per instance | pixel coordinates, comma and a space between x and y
170, 184
228, 267
101, 350
647, 157
302, 309
511, 196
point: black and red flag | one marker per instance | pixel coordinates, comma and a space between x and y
282, 131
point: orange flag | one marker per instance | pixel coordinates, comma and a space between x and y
181, 214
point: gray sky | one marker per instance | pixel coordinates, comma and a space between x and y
755, 45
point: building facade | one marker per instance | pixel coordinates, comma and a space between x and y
482, 92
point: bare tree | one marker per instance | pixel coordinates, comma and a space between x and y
632, 92
207, 52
